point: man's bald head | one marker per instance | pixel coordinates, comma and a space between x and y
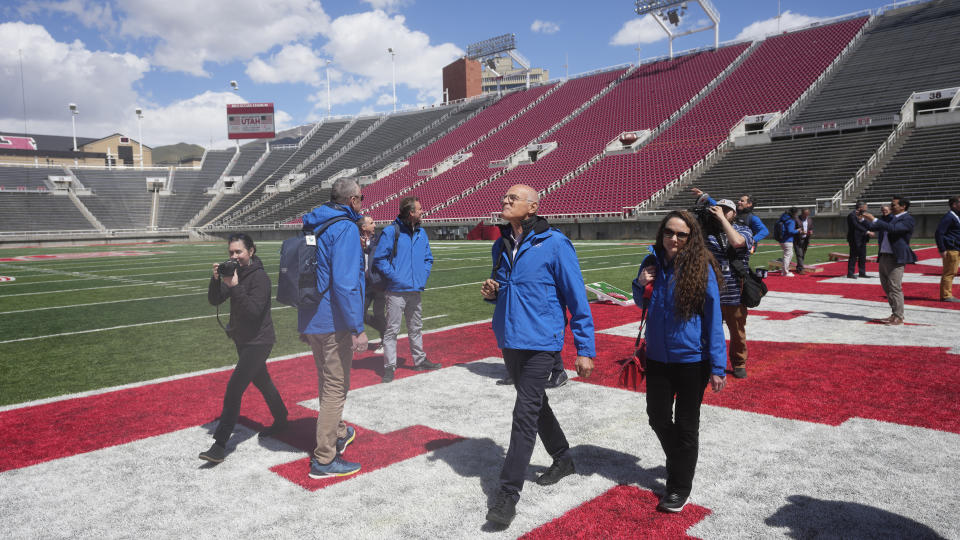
520, 202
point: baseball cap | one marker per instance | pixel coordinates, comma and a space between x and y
728, 203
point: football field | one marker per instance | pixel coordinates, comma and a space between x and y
112, 370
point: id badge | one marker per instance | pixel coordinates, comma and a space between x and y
311, 240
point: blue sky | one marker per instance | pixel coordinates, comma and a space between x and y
175, 58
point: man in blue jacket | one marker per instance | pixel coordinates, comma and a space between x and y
334, 326
403, 259
787, 225
894, 233
536, 278
948, 244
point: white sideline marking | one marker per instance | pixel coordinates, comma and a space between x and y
159, 380
144, 284
908, 277
97, 303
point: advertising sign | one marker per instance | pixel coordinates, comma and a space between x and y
250, 121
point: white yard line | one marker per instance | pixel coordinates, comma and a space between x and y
98, 303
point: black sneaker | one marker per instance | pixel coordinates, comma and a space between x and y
865, 276
740, 372
388, 374
557, 379
851, 276
503, 510
672, 502
506, 381
278, 426
427, 365
561, 467
216, 454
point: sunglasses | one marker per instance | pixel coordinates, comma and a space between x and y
667, 233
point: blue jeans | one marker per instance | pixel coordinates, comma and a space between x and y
532, 416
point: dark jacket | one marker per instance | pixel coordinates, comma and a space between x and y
789, 228
857, 229
948, 232
250, 321
900, 230
537, 287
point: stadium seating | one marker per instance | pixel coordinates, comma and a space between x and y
786, 172
769, 80
188, 189
12, 178
925, 168
120, 198
664, 87
31, 211
273, 161
909, 49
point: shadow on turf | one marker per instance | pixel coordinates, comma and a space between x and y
807, 517
485, 369
238, 437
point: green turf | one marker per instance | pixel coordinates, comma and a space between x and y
156, 291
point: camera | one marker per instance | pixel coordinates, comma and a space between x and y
228, 268
701, 210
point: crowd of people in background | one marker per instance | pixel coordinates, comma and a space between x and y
693, 273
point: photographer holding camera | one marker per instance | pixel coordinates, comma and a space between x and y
727, 239
243, 280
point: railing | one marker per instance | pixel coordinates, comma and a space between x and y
831, 126
875, 162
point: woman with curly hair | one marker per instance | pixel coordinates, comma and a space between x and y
685, 345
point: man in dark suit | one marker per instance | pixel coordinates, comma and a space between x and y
894, 232
802, 239
857, 238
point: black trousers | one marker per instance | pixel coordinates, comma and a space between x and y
674, 395
858, 255
532, 416
251, 367
800, 249
378, 319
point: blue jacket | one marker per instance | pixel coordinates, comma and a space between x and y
789, 227
682, 342
948, 232
406, 270
900, 230
536, 290
339, 264
756, 225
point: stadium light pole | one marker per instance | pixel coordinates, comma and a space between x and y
328, 87
139, 112
393, 62
73, 120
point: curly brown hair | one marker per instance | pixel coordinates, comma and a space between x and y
691, 263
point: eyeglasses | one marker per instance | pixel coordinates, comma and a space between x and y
680, 236
513, 197
360, 196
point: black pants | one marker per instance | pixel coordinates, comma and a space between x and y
532, 416
678, 428
378, 319
858, 255
800, 249
251, 367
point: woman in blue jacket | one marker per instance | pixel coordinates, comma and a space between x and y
685, 345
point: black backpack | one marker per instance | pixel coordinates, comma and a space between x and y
297, 283
779, 230
752, 287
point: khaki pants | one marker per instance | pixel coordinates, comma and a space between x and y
736, 319
333, 354
891, 279
951, 259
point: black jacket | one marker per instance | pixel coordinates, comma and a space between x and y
856, 229
250, 321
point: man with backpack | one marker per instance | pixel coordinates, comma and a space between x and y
785, 231
333, 323
403, 261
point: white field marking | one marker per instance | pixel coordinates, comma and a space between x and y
908, 277
160, 380
146, 284
121, 279
121, 327
97, 303
435, 317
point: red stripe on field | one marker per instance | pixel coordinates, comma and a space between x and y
372, 450
826, 383
621, 512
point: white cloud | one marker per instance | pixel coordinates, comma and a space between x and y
766, 27
292, 64
544, 27
390, 6
638, 31
200, 31
90, 13
359, 43
55, 74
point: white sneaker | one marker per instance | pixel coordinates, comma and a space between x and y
788, 274
378, 350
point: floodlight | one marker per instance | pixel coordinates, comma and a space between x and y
73, 108
234, 86
138, 111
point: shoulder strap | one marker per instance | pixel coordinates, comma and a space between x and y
396, 238
320, 230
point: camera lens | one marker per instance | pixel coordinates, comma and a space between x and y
228, 268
